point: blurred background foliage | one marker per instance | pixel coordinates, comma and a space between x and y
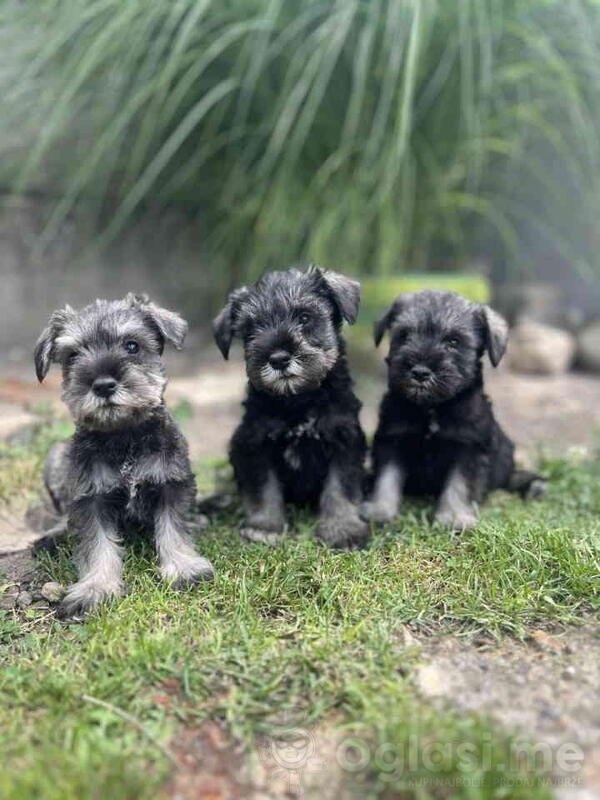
377, 135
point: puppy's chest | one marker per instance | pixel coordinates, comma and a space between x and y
433, 430
299, 443
131, 475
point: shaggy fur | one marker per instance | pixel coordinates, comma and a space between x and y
437, 434
126, 468
300, 439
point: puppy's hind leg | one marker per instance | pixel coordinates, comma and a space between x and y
56, 472
52, 539
264, 511
529, 485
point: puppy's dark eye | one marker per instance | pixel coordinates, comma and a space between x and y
304, 318
131, 346
451, 341
70, 359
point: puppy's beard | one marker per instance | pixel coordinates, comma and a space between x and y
306, 371
129, 405
289, 381
436, 389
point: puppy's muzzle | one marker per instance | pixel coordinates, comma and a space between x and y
104, 386
280, 360
420, 374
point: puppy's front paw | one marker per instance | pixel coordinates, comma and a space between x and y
252, 534
377, 513
343, 533
456, 519
85, 596
187, 570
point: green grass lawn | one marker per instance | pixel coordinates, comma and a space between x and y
296, 632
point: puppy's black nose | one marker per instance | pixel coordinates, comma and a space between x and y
420, 373
280, 359
104, 386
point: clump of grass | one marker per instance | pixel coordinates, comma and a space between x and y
301, 633
374, 134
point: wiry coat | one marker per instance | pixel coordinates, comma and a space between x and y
300, 436
126, 467
299, 439
130, 468
428, 441
437, 434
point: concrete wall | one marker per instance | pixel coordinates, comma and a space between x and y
160, 256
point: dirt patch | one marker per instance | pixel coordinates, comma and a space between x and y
18, 568
546, 688
210, 766
22, 522
555, 411
297, 763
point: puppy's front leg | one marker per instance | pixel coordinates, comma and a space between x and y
386, 497
340, 524
178, 560
92, 520
456, 507
264, 510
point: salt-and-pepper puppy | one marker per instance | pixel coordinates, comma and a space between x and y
300, 439
126, 467
437, 434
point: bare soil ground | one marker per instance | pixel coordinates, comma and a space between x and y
547, 687
553, 412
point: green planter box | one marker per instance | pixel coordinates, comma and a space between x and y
378, 293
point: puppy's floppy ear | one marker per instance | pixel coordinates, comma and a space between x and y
382, 325
344, 291
171, 326
224, 322
496, 334
44, 353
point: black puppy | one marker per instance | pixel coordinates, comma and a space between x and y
300, 439
437, 434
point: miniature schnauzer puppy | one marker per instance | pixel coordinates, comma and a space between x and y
437, 434
126, 467
300, 439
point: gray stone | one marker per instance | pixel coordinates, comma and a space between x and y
24, 599
52, 591
536, 301
408, 638
588, 347
540, 349
431, 681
